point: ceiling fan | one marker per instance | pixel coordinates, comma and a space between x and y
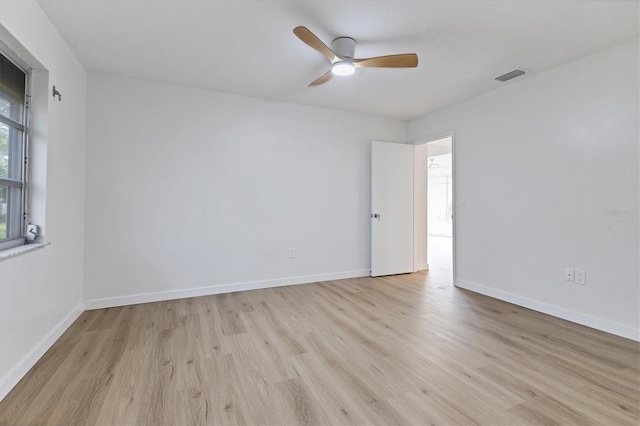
342, 60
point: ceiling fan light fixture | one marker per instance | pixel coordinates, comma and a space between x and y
342, 59
343, 68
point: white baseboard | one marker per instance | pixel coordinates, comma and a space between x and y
134, 299
556, 311
422, 267
28, 361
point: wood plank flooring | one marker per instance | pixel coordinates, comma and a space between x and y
407, 349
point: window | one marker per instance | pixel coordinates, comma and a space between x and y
13, 149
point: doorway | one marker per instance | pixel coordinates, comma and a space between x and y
440, 207
434, 191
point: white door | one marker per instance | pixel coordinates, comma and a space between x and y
391, 208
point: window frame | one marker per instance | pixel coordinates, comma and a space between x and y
23, 184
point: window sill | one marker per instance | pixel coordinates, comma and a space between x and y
20, 250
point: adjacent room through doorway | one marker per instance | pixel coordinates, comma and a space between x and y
440, 207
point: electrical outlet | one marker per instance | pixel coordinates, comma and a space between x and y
581, 277
291, 254
569, 274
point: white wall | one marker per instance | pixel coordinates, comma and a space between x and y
41, 291
192, 189
539, 162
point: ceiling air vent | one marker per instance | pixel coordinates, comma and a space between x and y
510, 75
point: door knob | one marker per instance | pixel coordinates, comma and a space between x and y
375, 215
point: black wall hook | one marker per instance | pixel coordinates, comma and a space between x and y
56, 93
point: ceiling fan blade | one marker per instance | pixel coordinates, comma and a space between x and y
325, 77
404, 60
310, 38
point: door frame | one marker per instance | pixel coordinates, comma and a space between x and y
454, 204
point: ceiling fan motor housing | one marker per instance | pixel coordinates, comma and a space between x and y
344, 47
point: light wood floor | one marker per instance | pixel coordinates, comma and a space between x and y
408, 349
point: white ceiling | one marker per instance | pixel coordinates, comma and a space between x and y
248, 47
